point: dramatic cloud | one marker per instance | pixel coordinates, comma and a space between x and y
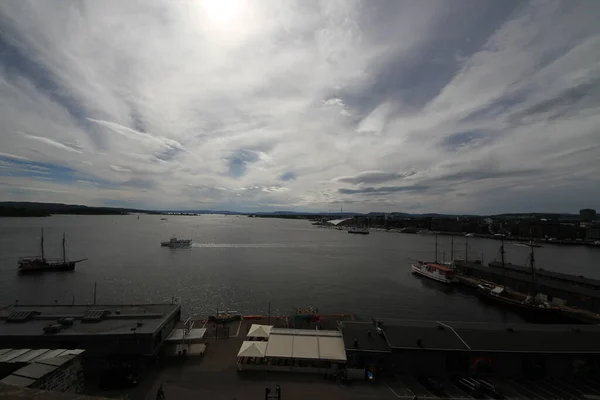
475, 107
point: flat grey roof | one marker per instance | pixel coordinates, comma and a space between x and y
360, 331
530, 338
424, 335
14, 380
120, 319
34, 371
493, 337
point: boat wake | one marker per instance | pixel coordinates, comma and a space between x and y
238, 245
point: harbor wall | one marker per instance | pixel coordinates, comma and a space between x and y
574, 295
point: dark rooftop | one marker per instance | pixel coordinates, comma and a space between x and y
529, 337
423, 335
483, 336
359, 331
86, 320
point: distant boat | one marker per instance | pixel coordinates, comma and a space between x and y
176, 243
469, 235
358, 231
43, 264
164, 219
528, 244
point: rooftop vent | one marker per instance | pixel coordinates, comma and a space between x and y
22, 316
94, 315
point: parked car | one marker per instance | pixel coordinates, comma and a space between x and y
433, 385
490, 389
472, 387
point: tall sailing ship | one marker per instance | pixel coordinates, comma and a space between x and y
43, 264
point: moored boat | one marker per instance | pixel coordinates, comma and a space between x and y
435, 271
519, 300
359, 231
438, 271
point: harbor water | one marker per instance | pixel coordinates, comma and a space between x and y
240, 263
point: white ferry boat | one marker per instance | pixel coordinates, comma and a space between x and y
436, 271
359, 231
177, 243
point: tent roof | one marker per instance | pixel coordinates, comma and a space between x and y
306, 347
252, 349
280, 346
332, 348
311, 347
262, 331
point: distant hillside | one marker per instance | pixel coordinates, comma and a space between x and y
31, 209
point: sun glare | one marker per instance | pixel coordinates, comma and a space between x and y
223, 11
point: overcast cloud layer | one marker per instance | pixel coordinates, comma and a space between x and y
461, 106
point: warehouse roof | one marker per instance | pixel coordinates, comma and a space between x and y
425, 335
529, 338
495, 337
363, 336
84, 320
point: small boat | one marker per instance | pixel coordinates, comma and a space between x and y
43, 264
359, 231
469, 235
176, 243
531, 243
435, 271
225, 316
164, 219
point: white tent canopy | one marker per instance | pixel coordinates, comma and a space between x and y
252, 349
260, 331
305, 344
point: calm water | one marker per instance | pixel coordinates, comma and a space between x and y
241, 263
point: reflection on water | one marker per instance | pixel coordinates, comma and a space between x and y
245, 263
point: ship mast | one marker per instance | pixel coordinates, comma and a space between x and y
436, 246
466, 248
532, 263
63, 249
42, 243
452, 249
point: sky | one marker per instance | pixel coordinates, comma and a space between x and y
462, 106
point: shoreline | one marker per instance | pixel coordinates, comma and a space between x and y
477, 236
